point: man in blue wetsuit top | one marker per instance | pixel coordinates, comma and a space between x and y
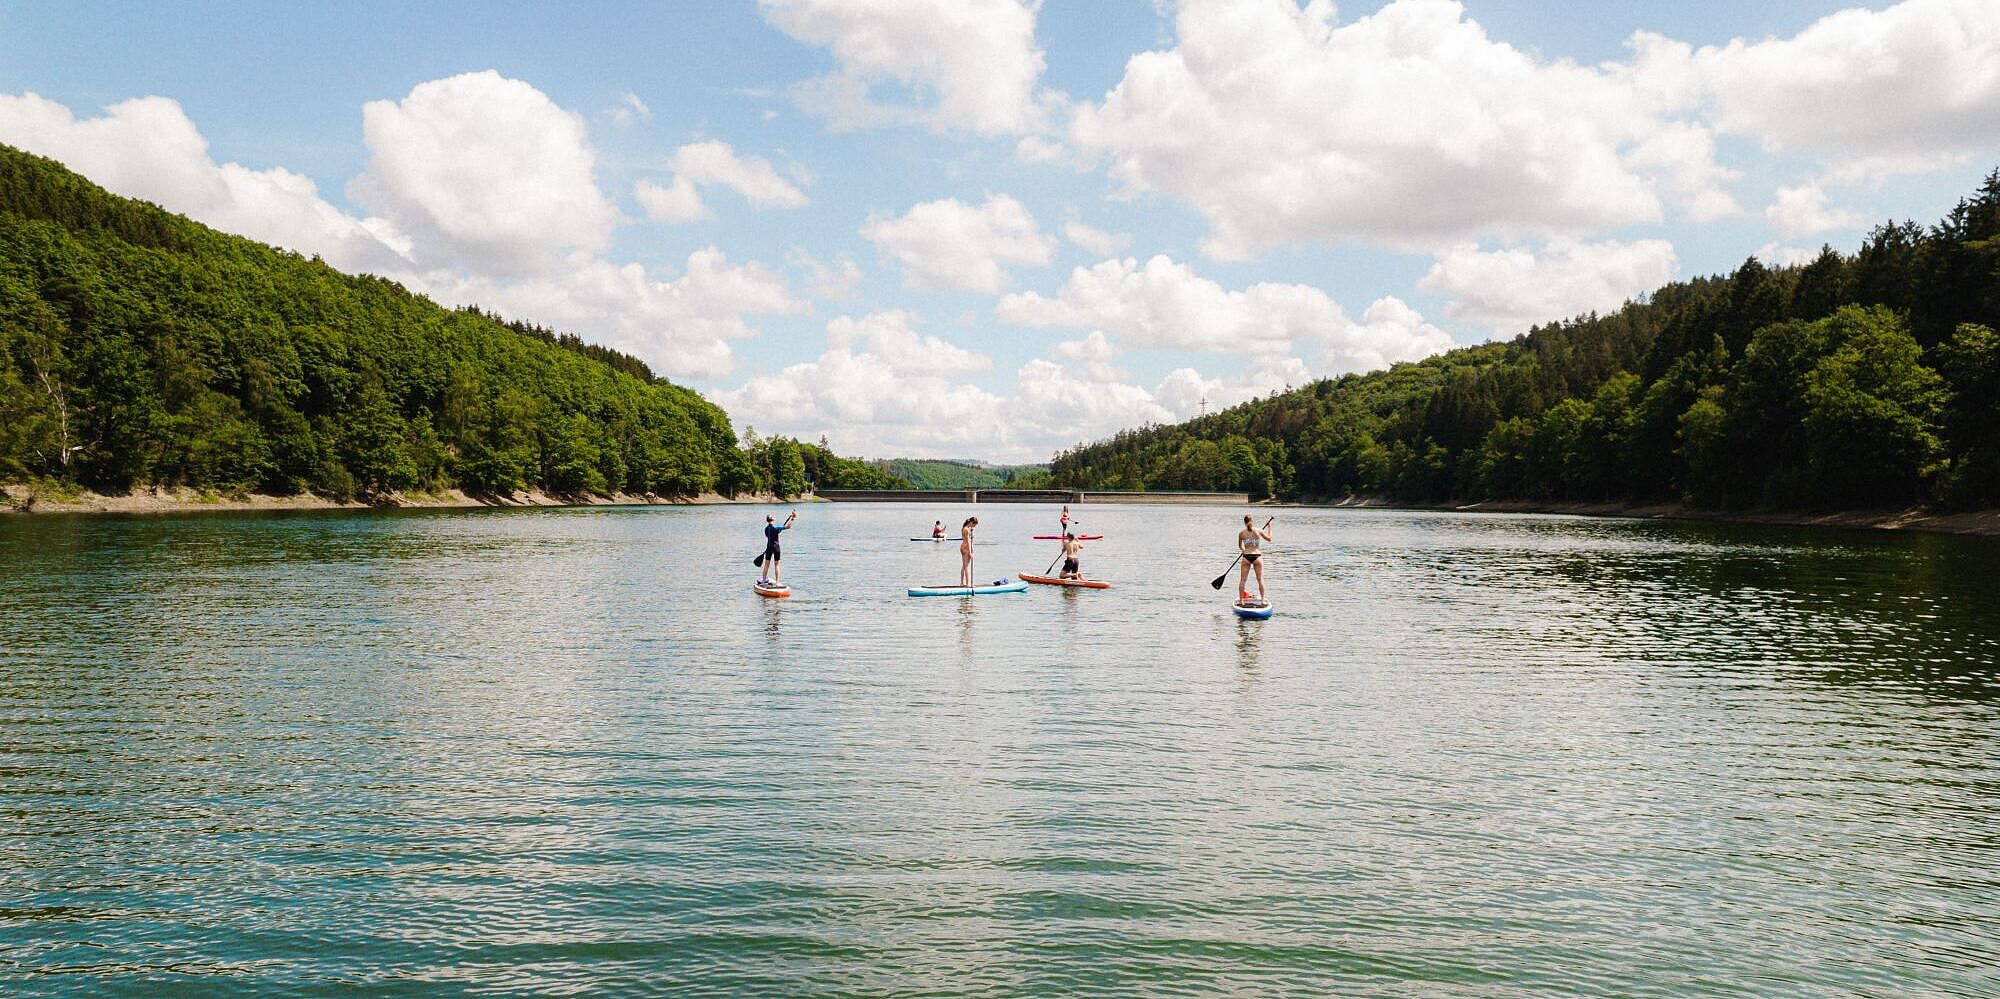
771, 554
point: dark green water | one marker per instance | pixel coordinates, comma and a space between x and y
569, 752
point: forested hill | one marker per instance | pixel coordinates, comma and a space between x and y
1846, 382
926, 473
138, 348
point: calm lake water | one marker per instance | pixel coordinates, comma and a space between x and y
569, 751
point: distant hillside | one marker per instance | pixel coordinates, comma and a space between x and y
139, 348
925, 473
1847, 382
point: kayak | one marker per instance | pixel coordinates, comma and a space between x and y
1257, 609
1058, 537
1088, 584
937, 539
1000, 586
777, 590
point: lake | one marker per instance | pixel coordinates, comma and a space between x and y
569, 751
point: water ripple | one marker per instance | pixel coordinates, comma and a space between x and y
555, 752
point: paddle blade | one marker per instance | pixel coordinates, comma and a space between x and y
1216, 583
759, 563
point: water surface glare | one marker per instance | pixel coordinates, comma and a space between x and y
569, 751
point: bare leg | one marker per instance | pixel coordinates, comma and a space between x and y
1260, 579
1243, 578
773, 564
965, 568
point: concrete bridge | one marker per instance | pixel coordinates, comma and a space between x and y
1076, 496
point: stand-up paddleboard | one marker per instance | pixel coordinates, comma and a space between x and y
937, 539
1088, 584
997, 586
1252, 608
775, 590
1058, 537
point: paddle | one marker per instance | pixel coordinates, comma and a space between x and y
1216, 583
1059, 555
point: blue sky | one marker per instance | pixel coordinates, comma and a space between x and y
861, 220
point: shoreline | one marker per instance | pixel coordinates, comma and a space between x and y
22, 499
1982, 523
25, 500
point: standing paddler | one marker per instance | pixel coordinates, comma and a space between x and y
1249, 547
965, 550
771, 554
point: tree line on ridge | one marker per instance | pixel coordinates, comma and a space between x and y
140, 349
1848, 381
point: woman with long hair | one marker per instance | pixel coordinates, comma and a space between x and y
965, 550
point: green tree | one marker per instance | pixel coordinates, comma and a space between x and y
1704, 436
569, 458
1560, 459
1970, 362
374, 443
1871, 413
1502, 462
787, 468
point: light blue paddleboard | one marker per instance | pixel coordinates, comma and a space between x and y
1003, 586
1256, 609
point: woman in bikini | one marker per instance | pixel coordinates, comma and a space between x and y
1249, 541
965, 550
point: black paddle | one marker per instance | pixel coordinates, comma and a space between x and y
1216, 583
1052, 563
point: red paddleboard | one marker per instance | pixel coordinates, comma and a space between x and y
1088, 584
779, 591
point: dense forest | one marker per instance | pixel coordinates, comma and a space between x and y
1849, 381
926, 473
141, 349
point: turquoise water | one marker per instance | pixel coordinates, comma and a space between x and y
569, 752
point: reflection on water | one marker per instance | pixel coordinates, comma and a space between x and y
1248, 634
544, 751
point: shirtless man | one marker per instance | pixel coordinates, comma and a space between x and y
1072, 550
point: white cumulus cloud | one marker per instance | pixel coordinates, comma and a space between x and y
1803, 211
713, 163
486, 172
882, 388
1104, 244
1408, 127
1922, 76
1510, 290
679, 325
965, 65
950, 244
1164, 304
834, 281
1187, 393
